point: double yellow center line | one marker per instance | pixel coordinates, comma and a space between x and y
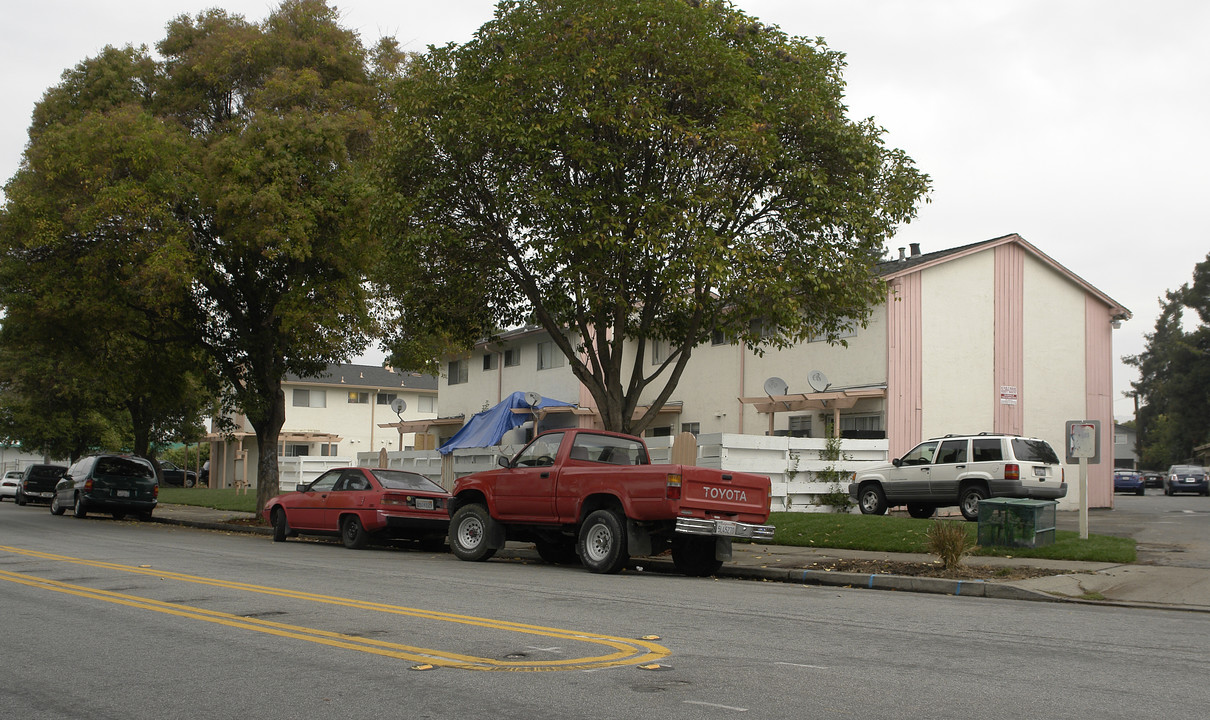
624, 651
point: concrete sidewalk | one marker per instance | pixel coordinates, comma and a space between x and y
1166, 587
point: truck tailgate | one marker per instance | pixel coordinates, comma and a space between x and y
736, 495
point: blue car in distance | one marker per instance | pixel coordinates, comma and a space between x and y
1128, 481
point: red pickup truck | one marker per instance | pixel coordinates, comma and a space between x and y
595, 496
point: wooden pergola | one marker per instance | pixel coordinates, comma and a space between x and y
834, 400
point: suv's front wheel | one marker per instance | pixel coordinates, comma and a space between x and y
871, 499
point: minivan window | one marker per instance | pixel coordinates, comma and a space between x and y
123, 467
1034, 451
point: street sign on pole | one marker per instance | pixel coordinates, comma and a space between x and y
1084, 445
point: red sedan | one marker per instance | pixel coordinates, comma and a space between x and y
360, 504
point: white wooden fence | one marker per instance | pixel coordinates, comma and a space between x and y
791, 464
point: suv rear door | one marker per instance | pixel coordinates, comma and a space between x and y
948, 466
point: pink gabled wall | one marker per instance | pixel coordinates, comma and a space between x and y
905, 391
1098, 388
1009, 348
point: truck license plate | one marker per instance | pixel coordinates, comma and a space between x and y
424, 503
724, 527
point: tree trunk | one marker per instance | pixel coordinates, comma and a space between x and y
267, 431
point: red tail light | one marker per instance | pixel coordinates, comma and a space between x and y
155, 490
88, 485
1012, 472
673, 491
395, 500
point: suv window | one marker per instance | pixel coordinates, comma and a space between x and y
1034, 451
922, 454
952, 451
987, 450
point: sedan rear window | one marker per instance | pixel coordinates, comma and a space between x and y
402, 480
1034, 451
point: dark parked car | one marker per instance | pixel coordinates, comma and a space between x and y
1186, 479
1128, 481
360, 504
38, 483
177, 476
1153, 479
115, 484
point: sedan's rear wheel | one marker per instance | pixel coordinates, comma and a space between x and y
353, 533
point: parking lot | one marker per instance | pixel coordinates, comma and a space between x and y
1169, 530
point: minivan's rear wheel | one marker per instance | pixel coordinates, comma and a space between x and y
968, 501
55, 507
81, 508
871, 499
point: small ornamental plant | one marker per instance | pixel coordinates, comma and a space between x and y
950, 542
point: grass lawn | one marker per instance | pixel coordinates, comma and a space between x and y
887, 533
225, 499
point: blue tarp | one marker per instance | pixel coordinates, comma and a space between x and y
485, 429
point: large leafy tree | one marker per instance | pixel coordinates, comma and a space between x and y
625, 172
244, 206
1174, 376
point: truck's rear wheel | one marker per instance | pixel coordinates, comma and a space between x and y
469, 532
694, 556
602, 543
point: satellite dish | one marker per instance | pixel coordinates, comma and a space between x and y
533, 399
818, 381
776, 386
398, 405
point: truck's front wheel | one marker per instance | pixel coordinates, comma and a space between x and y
469, 532
602, 543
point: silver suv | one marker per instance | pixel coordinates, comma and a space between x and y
961, 470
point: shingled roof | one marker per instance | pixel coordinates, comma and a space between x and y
368, 376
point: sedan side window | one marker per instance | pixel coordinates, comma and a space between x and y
326, 482
922, 454
353, 480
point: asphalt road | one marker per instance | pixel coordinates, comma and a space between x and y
106, 619
1170, 530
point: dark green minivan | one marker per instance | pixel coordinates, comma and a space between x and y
114, 484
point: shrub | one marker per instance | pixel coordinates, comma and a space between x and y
949, 541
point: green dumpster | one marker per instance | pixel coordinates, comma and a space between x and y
1017, 522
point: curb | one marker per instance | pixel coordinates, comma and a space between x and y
821, 578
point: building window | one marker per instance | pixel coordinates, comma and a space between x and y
665, 431
860, 423
329, 449
359, 398
693, 428
297, 450
491, 361
549, 356
512, 357
385, 398
458, 372
800, 426
310, 398
848, 329
426, 404
718, 337
659, 351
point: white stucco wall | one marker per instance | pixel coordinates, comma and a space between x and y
957, 360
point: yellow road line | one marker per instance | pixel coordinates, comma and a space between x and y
626, 650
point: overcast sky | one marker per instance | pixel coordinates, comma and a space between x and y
1078, 124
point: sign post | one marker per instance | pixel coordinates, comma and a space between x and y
1084, 444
